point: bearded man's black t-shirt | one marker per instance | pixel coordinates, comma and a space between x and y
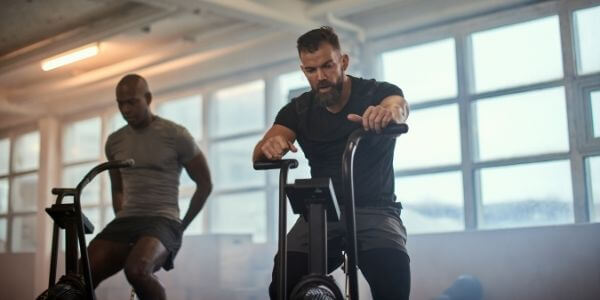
322, 135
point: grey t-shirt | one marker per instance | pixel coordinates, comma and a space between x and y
151, 187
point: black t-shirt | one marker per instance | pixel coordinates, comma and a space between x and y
322, 135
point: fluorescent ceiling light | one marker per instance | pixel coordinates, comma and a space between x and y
70, 57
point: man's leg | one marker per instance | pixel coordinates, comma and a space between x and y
146, 256
388, 273
106, 258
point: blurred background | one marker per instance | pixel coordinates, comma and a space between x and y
499, 175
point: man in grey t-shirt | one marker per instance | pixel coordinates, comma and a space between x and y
146, 233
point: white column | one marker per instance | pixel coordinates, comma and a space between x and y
48, 178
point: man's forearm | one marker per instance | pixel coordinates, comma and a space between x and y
196, 204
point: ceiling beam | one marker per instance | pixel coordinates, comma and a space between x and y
292, 20
132, 16
343, 8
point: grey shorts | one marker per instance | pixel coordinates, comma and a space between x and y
376, 228
129, 229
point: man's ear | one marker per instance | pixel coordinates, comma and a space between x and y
148, 97
345, 61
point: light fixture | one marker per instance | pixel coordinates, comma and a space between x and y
72, 56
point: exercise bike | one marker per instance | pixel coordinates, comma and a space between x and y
315, 200
76, 284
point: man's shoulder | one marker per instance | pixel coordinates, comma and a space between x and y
371, 87
115, 135
301, 102
168, 125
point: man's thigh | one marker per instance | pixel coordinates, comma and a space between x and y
106, 258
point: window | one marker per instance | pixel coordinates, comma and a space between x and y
4, 172
82, 141
595, 101
431, 210
432, 140
505, 125
424, 72
241, 213
517, 54
81, 151
587, 30
186, 112
593, 186
291, 85
231, 165
239, 200
4, 156
19, 192
526, 195
247, 100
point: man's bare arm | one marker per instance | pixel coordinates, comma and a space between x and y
116, 184
198, 170
278, 140
391, 109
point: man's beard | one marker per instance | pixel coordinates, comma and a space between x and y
329, 98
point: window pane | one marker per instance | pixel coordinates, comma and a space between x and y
522, 124
526, 195
291, 85
425, 72
3, 195
593, 179
517, 54
3, 230
241, 213
115, 123
74, 174
303, 169
432, 140
291, 217
431, 203
24, 193
587, 31
81, 140
27, 151
239, 109
197, 225
231, 164
186, 112
4, 156
595, 98
23, 234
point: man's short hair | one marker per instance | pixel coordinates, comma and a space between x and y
310, 41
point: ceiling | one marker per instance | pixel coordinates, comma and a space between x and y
176, 43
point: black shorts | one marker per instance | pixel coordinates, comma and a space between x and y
130, 229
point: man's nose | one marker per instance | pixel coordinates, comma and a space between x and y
320, 74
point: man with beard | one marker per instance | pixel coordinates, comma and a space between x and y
322, 120
146, 232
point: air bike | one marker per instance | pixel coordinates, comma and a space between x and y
314, 199
76, 284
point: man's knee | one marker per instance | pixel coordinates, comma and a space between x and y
139, 270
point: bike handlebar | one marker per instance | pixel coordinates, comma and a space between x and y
116, 164
275, 164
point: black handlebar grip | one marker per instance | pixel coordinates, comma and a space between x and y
275, 164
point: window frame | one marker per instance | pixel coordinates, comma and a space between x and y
12, 134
